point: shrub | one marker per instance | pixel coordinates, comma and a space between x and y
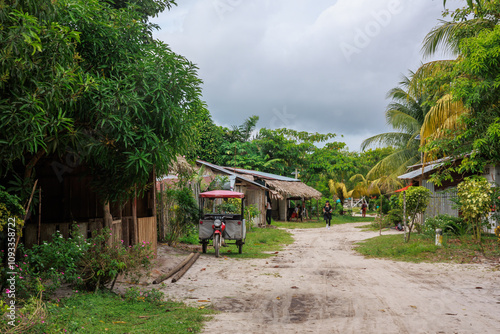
183, 209
104, 261
395, 216
417, 199
47, 266
474, 196
10, 209
449, 224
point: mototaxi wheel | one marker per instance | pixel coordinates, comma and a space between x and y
217, 244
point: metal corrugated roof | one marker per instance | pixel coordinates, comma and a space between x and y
263, 174
226, 171
417, 172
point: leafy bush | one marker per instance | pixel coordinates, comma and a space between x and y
394, 202
183, 209
50, 264
417, 199
104, 261
474, 196
10, 208
88, 264
382, 221
191, 236
395, 216
449, 224
251, 211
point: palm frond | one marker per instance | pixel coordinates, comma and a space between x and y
385, 139
401, 120
443, 116
442, 36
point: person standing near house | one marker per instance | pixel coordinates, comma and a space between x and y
363, 208
269, 210
327, 214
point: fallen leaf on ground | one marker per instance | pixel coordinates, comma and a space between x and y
203, 301
119, 322
295, 287
413, 306
203, 269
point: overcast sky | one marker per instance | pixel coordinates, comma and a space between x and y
317, 66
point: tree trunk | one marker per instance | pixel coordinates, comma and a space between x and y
108, 220
34, 160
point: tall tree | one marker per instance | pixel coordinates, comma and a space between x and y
472, 81
406, 114
87, 76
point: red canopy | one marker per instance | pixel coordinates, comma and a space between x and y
222, 194
403, 189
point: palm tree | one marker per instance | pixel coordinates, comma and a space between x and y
339, 190
443, 119
363, 187
406, 114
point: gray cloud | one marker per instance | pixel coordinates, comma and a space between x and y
317, 66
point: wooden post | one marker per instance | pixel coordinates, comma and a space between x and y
134, 218
162, 214
404, 214
39, 213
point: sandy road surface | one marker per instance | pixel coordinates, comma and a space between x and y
320, 285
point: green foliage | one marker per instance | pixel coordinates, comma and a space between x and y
10, 208
134, 294
102, 312
474, 195
473, 33
51, 264
183, 210
88, 264
417, 200
229, 205
448, 224
395, 216
104, 260
251, 212
101, 88
406, 114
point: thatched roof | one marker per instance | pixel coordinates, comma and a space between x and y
286, 189
180, 165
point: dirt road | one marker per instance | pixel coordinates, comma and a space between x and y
320, 285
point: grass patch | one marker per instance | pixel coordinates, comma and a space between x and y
422, 249
110, 313
259, 243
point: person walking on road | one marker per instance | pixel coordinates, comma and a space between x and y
268, 212
327, 214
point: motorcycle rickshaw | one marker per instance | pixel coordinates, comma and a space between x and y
218, 226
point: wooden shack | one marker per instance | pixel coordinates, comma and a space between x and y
67, 198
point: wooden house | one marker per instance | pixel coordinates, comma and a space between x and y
282, 190
67, 198
442, 196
